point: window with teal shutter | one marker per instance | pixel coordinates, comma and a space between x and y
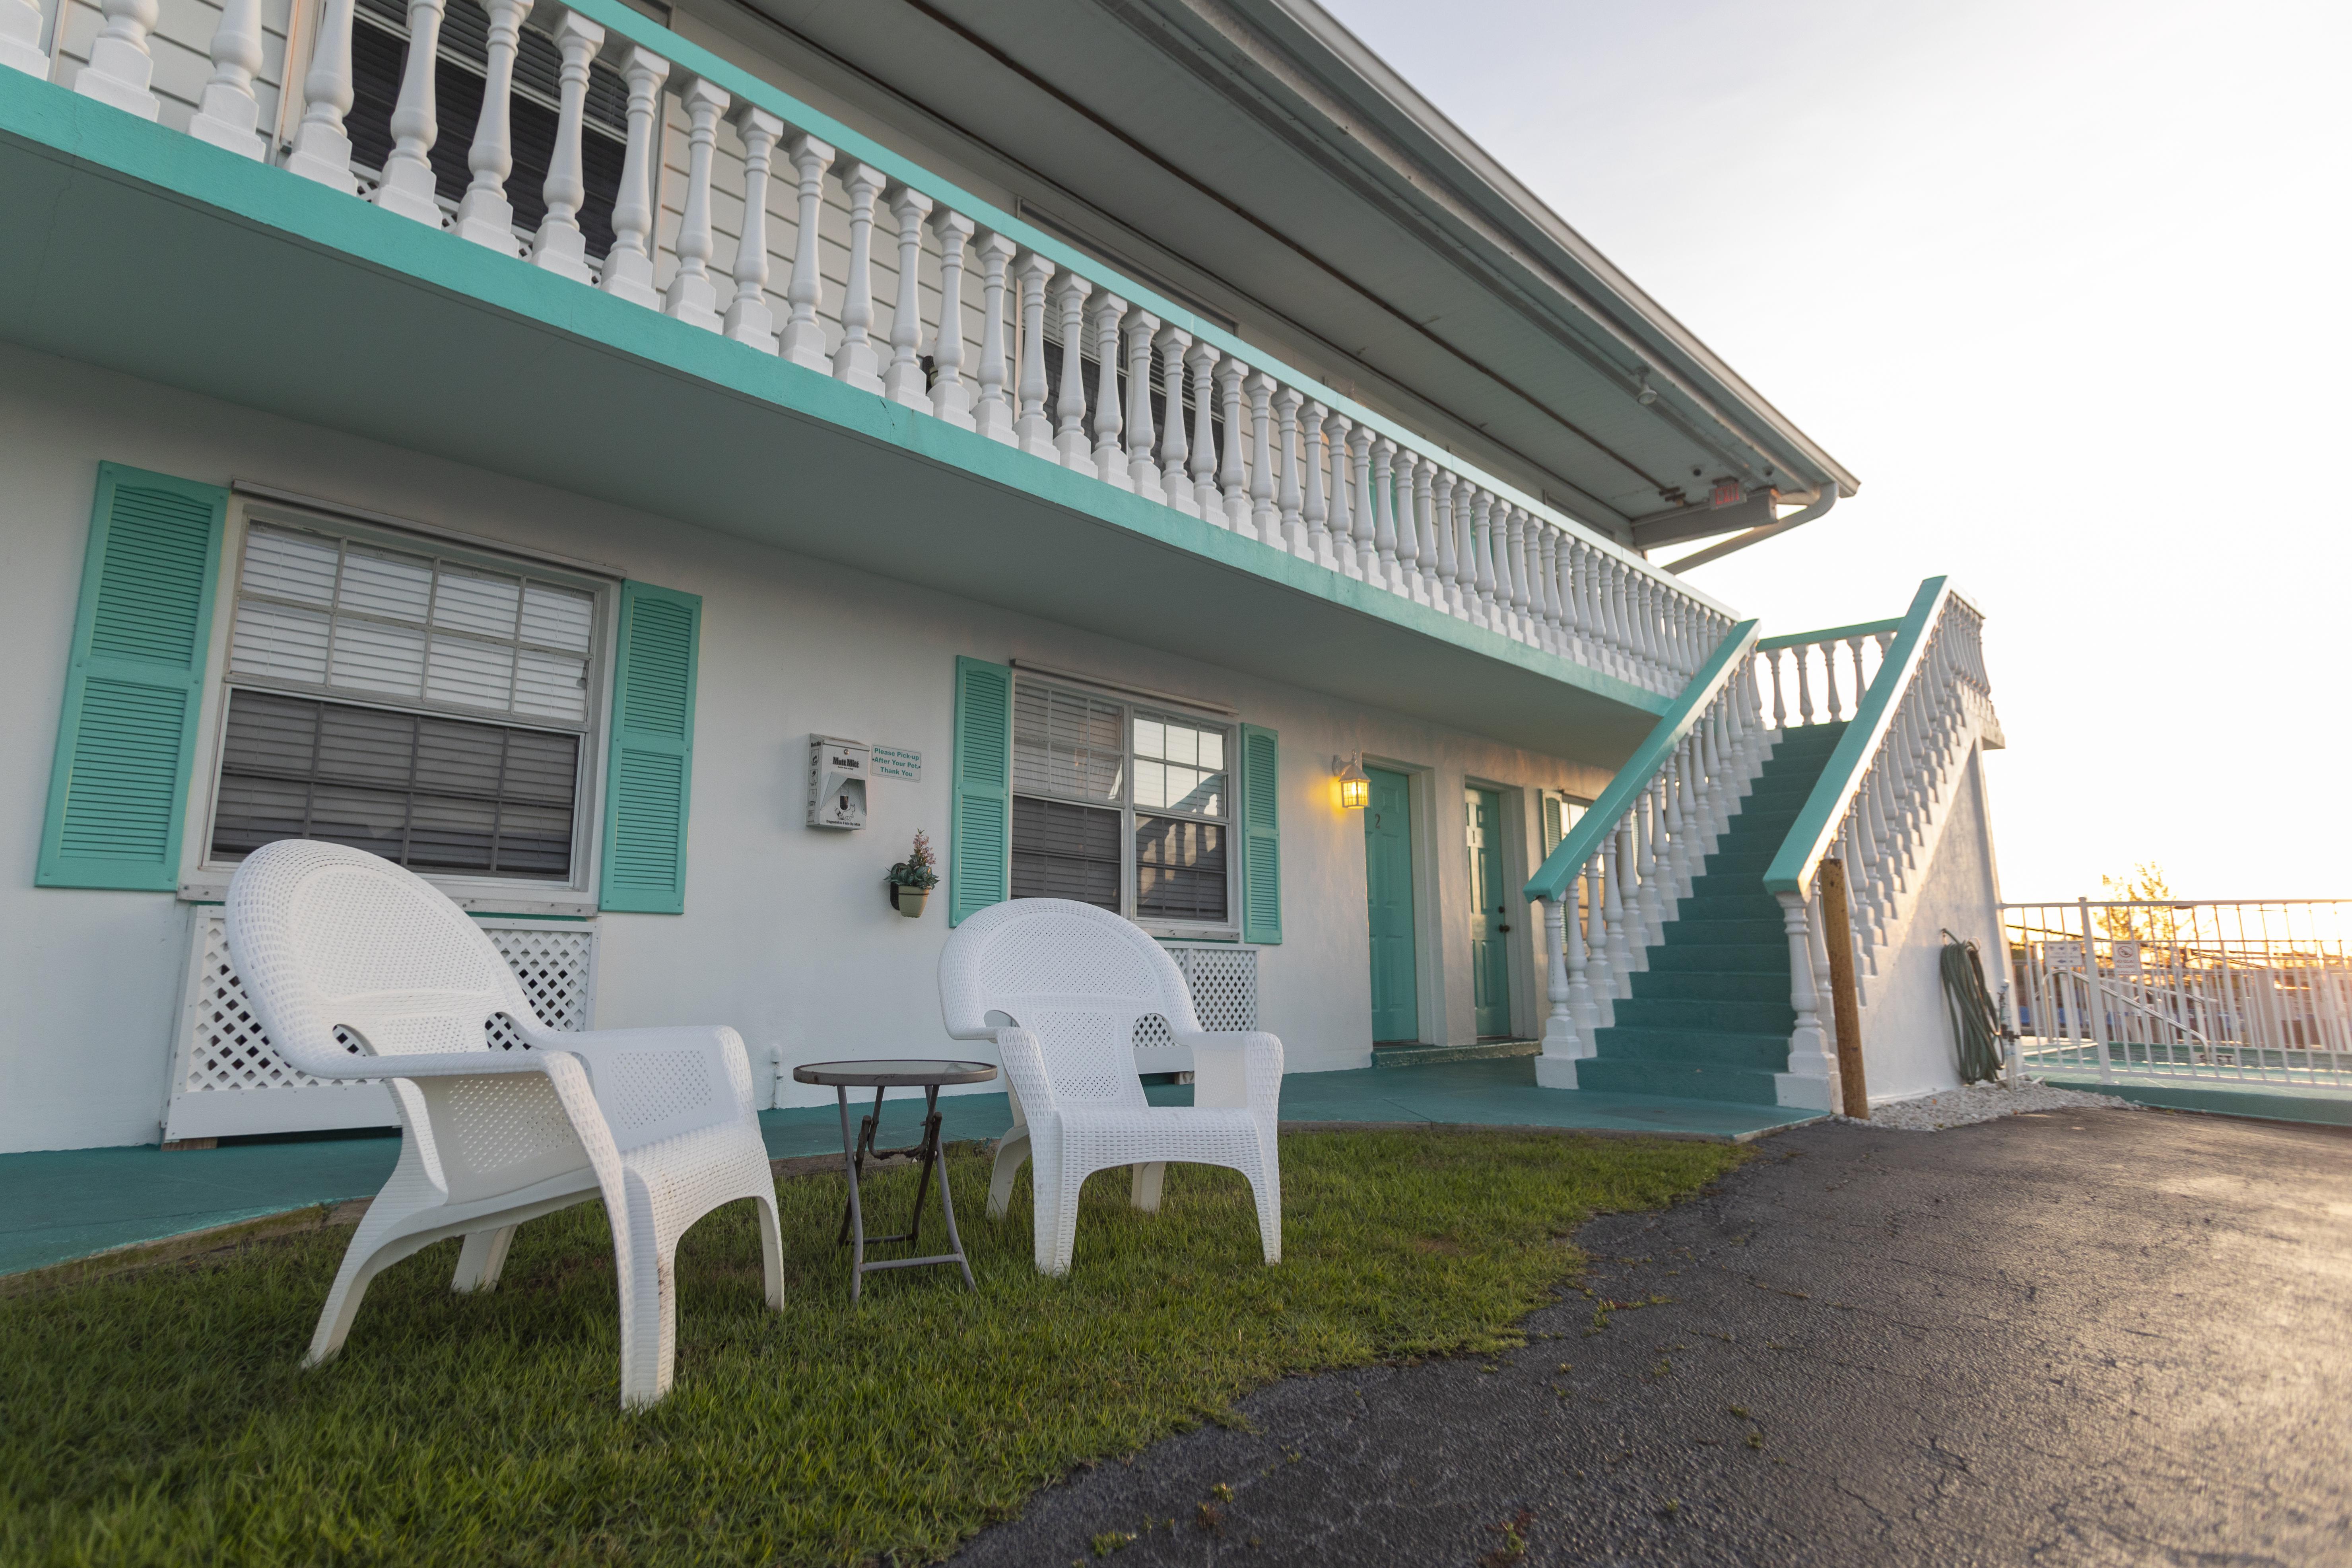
134, 682
650, 780
1261, 835
979, 830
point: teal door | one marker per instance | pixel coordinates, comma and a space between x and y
1387, 899
1490, 948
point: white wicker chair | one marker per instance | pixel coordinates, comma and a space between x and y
332, 942
1058, 987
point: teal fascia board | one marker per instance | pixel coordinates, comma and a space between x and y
1792, 867
103, 142
1551, 878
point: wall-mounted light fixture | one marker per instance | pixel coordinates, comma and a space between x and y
1355, 789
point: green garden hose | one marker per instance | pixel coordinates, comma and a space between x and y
1975, 1021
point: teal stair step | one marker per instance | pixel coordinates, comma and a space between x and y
1720, 1047
1678, 1080
1714, 985
1701, 958
1422, 1055
1704, 904
1767, 1016
1725, 933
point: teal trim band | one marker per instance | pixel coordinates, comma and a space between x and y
1809, 836
1834, 633
1551, 879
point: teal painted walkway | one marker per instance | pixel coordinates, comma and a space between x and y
2266, 1102
67, 1205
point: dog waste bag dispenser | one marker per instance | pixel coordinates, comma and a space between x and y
838, 770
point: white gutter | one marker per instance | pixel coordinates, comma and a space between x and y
1820, 508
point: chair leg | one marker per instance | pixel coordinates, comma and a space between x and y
483, 1258
1011, 1152
1144, 1190
1266, 1187
375, 1245
771, 1247
1057, 1231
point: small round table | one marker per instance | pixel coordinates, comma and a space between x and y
879, 1075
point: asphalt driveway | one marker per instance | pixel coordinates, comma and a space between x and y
2096, 1337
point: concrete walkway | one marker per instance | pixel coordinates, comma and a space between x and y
57, 1207
2068, 1338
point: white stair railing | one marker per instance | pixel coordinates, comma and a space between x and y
1271, 453
1879, 807
1610, 886
1830, 663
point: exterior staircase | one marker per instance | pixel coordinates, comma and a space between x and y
1710, 1017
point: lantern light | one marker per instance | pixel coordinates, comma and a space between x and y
1355, 789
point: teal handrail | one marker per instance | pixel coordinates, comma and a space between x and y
1810, 835
1551, 879
1834, 633
619, 21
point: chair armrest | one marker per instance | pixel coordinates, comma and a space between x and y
432, 1064
608, 1055
1235, 1069
1024, 1056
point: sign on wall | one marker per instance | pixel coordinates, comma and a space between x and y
898, 762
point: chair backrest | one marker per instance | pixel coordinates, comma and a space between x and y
1076, 976
326, 937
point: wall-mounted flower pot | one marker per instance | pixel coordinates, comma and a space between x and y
909, 902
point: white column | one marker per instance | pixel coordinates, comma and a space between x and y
1142, 468
905, 381
1034, 426
1338, 430
1201, 360
227, 114
854, 360
1263, 518
559, 246
629, 266
992, 416
804, 335
321, 150
749, 318
406, 187
1314, 511
693, 296
1175, 346
1563, 1043
120, 67
951, 393
1290, 529
20, 38
1070, 292
484, 215
1110, 447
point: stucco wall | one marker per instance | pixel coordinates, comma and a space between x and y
787, 935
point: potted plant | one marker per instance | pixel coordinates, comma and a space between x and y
912, 880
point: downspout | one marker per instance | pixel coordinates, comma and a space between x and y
1716, 551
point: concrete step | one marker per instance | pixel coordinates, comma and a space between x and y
1676, 1080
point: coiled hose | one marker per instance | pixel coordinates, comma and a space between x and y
1976, 1020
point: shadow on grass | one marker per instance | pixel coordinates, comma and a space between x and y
160, 1417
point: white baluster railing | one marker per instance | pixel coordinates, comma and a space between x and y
1881, 800
1238, 438
1613, 879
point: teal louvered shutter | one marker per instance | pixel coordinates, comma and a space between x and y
1261, 795
649, 782
979, 830
134, 682
1554, 829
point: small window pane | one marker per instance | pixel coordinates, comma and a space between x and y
557, 617
287, 565
1067, 746
470, 673
396, 586
1180, 869
477, 602
1150, 737
550, 685
280, 642
1065, 851
370, 657
1213, 748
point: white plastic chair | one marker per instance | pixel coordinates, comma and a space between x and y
1058, 987
657, 1123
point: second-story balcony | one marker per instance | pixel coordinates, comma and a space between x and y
793, 334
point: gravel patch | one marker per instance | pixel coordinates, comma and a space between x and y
1985, 1102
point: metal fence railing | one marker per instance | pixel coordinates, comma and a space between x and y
2245, 991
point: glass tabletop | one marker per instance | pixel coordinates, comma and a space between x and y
894, 1072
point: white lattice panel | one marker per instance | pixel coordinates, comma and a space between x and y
1223, 982
227, 1080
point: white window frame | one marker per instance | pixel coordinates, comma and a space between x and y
1130, 703
204, 878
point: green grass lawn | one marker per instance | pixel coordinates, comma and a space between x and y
160, 1416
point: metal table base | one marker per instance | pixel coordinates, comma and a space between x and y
855, 1151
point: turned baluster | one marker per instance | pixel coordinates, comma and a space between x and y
1446, 566
1579, 981
904, 381
1035, 427
1175, 346
1830, 680
951, 393
1622, 954
227, 114
1142, 471
1560, 1035
1384, 531
1804, 685
1613, 909
121, 67
484, 214
856, 361
1070, 292
1402, 468
629, 266
1364, 508
1603, 974
1809, 1054
804, 336
1779, 708
1233, 475
1201, 360
1263, 519
1338, 429
1464, 594
1110, 447
559, 246
1482, 553
748, 319
1555, 628
1290, 534
1515, 552
1424, 521
693, 293
1310, 439
1861, 686
406, 187
20, 38
992, 416
321, 150
1645, 864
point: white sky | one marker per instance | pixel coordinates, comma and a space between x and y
2064, 282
